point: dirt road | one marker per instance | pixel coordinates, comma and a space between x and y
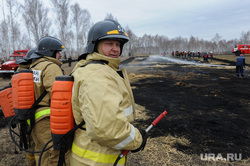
208, 113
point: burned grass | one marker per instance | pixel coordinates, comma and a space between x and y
208, 112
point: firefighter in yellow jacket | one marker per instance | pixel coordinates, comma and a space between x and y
45, 66
103, 98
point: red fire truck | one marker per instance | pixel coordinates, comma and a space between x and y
241, 49
10, 67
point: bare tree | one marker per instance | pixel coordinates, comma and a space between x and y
230, 45
28, 27
216, 39
14, 28
36, 19
61, 10
5, 46
191, 43
70, 47
81, 21
131, 43
110, 16
245, 37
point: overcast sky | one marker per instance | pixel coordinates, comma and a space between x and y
174, 18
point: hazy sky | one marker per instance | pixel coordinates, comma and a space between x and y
174, 18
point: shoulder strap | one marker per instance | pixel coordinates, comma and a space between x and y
32, 110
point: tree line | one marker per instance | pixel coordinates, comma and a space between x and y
23, 24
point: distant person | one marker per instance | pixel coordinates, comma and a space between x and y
181, 54
211, 56
189, 54
240, 63
69, 61
205, 57
199, 55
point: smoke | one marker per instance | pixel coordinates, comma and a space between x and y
159, 59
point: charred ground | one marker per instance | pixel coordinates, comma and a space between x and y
208, 106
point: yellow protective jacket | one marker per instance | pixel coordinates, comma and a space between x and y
104, 100
45, 70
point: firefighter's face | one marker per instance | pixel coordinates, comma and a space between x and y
58, 55
110, 48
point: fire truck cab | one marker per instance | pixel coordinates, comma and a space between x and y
241, 49
9, 67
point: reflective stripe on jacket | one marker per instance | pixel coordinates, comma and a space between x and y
40, 114
94, 156
104, 100
43, 80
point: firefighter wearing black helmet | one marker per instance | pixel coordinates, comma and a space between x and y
103, 98
45, 66
25, 62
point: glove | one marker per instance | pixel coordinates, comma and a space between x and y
144, 141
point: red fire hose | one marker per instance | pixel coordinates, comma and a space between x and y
154, 123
